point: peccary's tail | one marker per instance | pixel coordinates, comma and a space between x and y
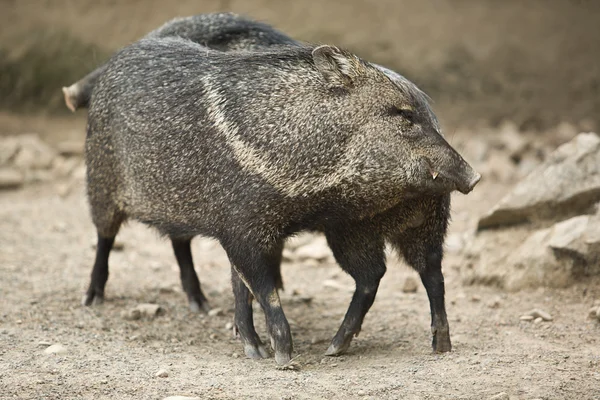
78, 95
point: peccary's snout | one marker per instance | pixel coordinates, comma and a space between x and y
469, 183
453, 169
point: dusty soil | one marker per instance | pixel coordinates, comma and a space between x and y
45, 260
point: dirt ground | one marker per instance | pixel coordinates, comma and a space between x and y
46, 257
482, 63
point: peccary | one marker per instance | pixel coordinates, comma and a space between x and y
252, 147
218, 31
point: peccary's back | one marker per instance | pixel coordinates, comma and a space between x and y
204, 140
224, 31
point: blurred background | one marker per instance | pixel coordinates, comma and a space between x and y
484, 62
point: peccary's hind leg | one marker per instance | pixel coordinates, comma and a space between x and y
255, 269
276, 267
95, 292
189, 279
243, 322
108, 221
363, 257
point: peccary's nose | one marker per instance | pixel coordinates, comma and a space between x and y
474, 181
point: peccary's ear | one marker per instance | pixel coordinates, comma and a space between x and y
338, 67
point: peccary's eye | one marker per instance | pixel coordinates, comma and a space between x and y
405, 113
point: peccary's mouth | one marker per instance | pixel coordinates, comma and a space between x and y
462, 178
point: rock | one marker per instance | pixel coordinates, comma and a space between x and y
538, 320
287, 255
56, 349
333, 284
410, 285
229, 326
146, 310
64, 167
215, 312
454, 243
526, 318
181, 398
79, 173
500, 396
517, 258
300, 240
317, 249
71, 148
594, 313
499, 167
510, 139
567, 183
10, 178
33, 153
9, 146
162, 373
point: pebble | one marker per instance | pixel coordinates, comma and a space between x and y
475, 298
538, 320
500, 396
537, 313
181, 398
117, 245
145, 310
56, 349
526, 318
215, 312
229, 326
162, 373
235, 355
495, 303
410, 285
10, 178
44, 344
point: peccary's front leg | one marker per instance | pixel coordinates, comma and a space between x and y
422, 248
362, 256
189, 279
433, 280
256, 270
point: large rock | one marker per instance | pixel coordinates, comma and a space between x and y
566, 184
517, 258
33, 153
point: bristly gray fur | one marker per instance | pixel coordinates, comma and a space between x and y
252, 147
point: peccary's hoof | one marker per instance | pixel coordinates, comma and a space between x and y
441, 341
256, 352
282, 358
92, 298
199, 307
336, 349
